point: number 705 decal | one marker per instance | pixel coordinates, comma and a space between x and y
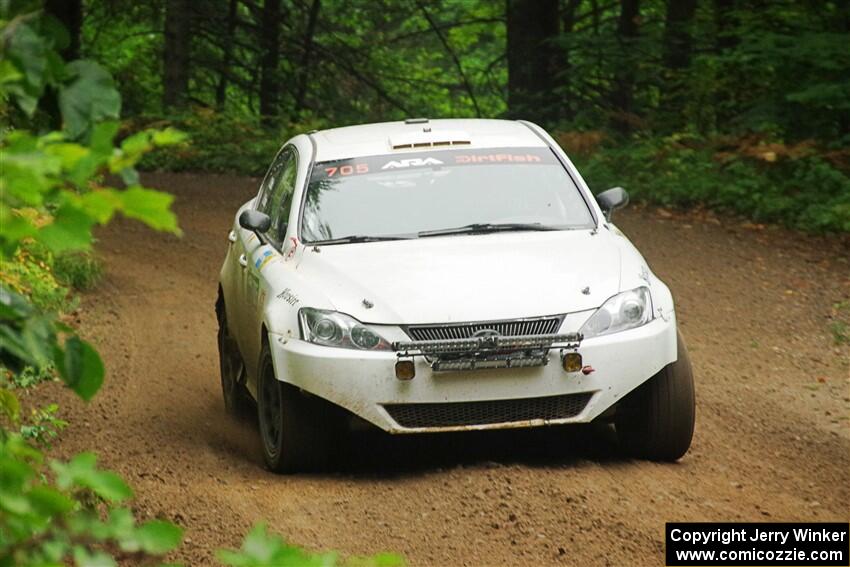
347, 169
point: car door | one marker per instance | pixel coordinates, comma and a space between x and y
276, 201
245, 243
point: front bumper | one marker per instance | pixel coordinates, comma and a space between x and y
365, 383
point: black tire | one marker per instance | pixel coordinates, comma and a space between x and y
297, 430
656, 420
237, 400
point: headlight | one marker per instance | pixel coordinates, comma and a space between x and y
624, 311
330, 328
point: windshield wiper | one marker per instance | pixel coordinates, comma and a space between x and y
480, 228
357, 238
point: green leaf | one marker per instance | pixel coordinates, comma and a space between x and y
119, 525
168, 137
13, 306
15, 228
130, 176
80, 471
70, 230
9, 73
28, 51
261, 548
101, 204
151, 207
89, 98
158, 537
30, 340
94, 558
49, 501
137, 144
110, 486
69, 153
80, 367
9, 405
102, 136
14, 502
26, 174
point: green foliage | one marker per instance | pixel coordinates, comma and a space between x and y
80, 270
777, 71
219, 143
57, 178
51, 195
29, 272
29, 337
805, 192
89, 98
839, 326
43, 426
31, 376
260, 549
51, 516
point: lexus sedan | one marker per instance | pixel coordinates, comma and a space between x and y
442, 275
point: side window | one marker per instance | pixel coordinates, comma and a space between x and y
281, 188
273, 173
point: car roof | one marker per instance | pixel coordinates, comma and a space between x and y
418, 135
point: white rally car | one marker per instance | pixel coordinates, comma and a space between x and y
443, 275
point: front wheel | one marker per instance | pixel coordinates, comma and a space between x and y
297, 430
237, 400
656, 420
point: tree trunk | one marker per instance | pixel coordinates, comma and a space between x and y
175, 54
221, 87
532, 59
622, 96
567, 109
724, 25
70, 14
725, 39
304, 71
843, 25
677, 33
676, 55
269, 59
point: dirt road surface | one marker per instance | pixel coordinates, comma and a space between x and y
772, 440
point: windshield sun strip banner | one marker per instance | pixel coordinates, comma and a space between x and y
391, 163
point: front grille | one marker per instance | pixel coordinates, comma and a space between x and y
488, 412
539, 326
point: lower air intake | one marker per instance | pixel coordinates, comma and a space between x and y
491, 412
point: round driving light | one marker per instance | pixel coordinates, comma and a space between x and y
325, 330
364, 338
631, 310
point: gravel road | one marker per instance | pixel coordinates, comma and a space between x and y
772, 439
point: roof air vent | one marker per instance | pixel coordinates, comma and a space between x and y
438, 138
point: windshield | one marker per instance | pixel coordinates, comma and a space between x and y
411, 193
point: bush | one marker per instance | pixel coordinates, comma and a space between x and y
803, 191
81, 270
30, 272
220, 143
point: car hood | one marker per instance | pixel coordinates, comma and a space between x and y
467, 278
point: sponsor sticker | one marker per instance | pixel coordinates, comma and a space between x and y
385, 164
264, 259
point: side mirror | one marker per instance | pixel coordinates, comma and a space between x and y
615, 198
255, 221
